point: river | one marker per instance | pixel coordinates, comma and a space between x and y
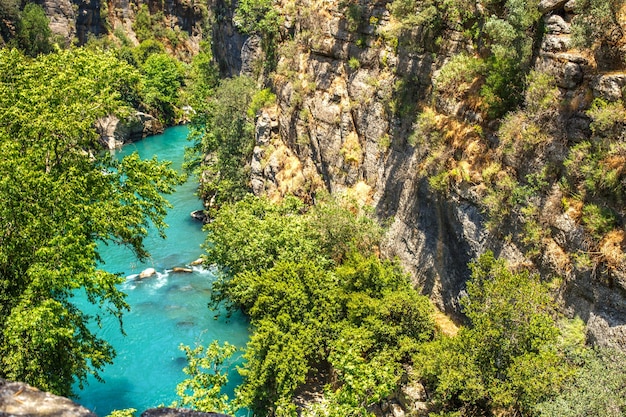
166, 310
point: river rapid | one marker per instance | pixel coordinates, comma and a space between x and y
166, 310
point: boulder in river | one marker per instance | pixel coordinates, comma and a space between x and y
181, 269
197, 262
200, 215
146, 273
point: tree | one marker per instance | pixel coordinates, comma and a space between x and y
223, 140
33, 31
598, 389
162, 80
208, 373
260, 17
60, 196
509, 359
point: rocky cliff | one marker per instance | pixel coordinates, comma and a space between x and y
77, 20
359, 111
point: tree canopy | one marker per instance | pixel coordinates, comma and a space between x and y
61, 196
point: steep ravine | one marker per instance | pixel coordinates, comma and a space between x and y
337, 125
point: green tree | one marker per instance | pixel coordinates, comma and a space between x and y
208, 373
308, 292
598, 389
223, 140
33, 31
597, 21
260, 17
60, 196
162, 79
509, 358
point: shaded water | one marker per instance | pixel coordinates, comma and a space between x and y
166, 310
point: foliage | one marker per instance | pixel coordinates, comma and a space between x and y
458, 74
204, 75
308, 290
596, 20
147, 48
145, 24
260, 17
262, 98
257, 17
208, 373
223, 131
509, 358
264, 233
60, 198
598, 220
599, 389
33, 32
162, 79
127, 412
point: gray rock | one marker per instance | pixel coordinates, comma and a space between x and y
18, 400
178, 412
556, 25
251, 53
570, 6
114, 132
572, 76
609, 87
555, 43
546, 6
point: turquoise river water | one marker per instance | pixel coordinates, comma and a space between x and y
166, 310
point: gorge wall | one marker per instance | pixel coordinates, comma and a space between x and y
74, 21
362, 110
358, 111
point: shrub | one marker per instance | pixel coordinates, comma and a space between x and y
598, 220
508, 359
457, 75
260, 99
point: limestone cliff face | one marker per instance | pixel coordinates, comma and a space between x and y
345, 121
78, 19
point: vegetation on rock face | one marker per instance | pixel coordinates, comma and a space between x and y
509, 358
223, 139
60, 198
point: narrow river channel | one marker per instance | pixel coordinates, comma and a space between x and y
166, 310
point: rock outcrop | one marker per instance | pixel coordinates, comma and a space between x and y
79, 19
115, 132
19, 399
344, 120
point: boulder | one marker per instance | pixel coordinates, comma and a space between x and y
114, 132
609, 87
200, 215
19, 399
546, 6
147, 273
179, 269
197, 262
178, 412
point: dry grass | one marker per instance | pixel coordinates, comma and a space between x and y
611, 248
556, 256
445, 325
